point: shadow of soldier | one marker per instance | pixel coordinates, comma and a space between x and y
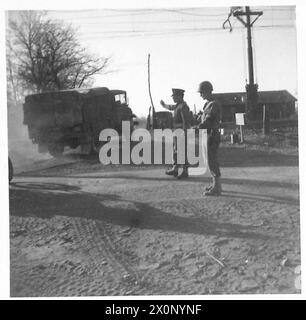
42, 201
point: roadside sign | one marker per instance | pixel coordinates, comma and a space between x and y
240, 119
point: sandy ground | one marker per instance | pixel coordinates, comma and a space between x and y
81, 230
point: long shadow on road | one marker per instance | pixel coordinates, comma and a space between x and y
196, 179
42, 202
202, 181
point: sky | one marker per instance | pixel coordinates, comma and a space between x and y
186, 46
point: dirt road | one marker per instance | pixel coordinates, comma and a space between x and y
139, 232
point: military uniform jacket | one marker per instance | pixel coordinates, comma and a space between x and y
181, 114
211, 116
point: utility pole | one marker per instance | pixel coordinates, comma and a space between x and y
251, 87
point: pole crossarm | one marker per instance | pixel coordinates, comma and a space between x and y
238, 14
256, 19
241, 20
251, 13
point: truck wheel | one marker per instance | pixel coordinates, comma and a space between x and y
96, 146
74, 143
11, 170
56, 150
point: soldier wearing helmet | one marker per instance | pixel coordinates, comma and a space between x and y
210, 120
180, 120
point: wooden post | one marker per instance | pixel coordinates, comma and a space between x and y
149, 84
241, 134
266, 120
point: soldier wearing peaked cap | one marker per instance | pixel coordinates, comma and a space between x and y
178, 92
210, 120
181, 115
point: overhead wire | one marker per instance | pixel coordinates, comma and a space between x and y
266, 8
136, 12
127, 33
150, 22
99, 16
144, 32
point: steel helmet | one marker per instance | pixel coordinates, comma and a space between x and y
205, 86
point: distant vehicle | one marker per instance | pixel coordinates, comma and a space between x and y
10, 170
159, 120
74, 117
164, 120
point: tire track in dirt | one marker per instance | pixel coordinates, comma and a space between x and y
91, 265
110, 268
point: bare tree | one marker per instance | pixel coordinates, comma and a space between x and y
48, 56
14, 90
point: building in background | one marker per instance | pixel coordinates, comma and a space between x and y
281, 104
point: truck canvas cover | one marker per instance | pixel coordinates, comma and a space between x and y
64, 109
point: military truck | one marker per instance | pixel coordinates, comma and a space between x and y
74, 117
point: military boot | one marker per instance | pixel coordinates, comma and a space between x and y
209, 187
173, 171
216, 188
184, 173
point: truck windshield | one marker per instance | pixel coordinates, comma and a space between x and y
120, 98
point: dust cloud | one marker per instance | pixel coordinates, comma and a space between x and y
23, 153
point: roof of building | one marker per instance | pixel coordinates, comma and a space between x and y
232, 98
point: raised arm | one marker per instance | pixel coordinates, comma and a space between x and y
170, 107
